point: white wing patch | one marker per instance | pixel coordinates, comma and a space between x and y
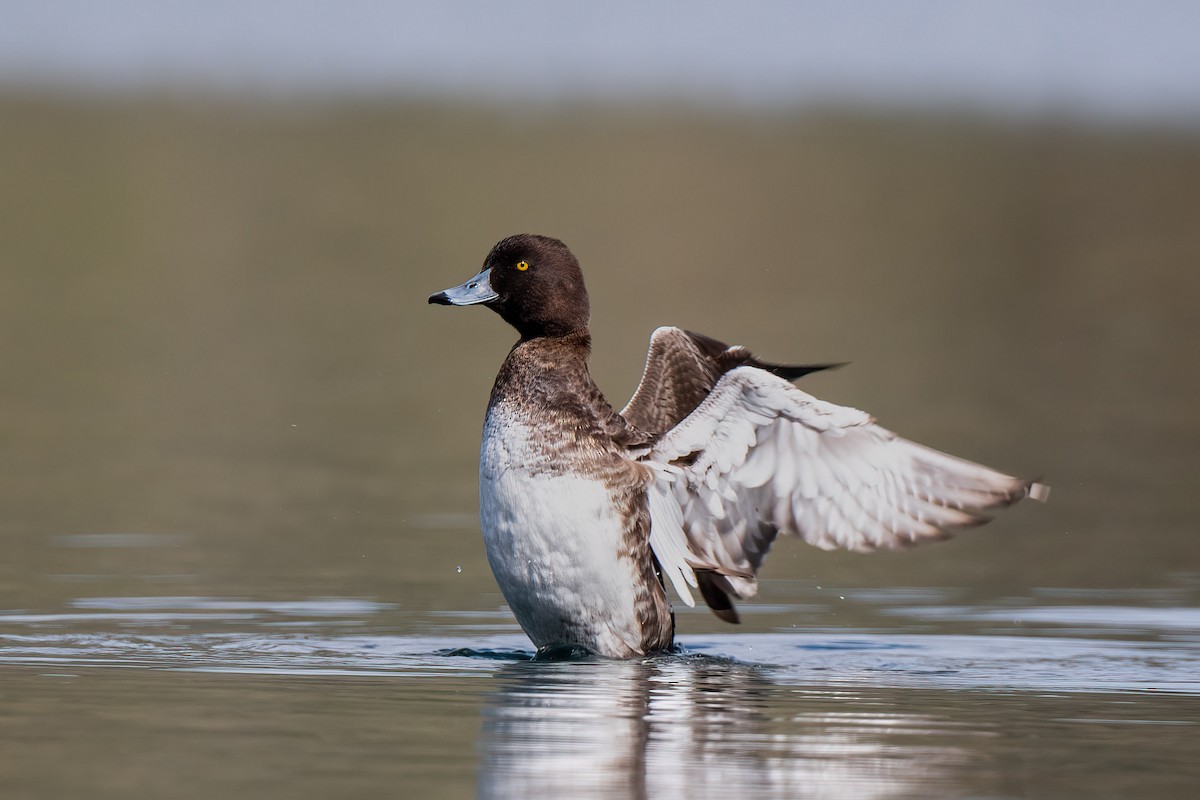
759, 457
670, 544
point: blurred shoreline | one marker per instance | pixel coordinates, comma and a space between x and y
1094, 62
603, 110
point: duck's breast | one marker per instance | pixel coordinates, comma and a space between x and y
557, 541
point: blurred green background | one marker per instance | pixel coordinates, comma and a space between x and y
215, 325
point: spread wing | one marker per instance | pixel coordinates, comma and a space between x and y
681, 369
758, 457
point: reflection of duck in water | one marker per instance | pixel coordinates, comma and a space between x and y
586, 510
700, 727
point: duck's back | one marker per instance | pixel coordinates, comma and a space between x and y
563, 511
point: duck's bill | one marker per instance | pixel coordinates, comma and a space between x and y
477, 290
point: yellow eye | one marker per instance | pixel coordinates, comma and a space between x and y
522, 265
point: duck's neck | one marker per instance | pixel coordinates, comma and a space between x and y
564, 359
550, 373
546, 371
577, 339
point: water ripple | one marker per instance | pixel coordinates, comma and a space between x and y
1014, 663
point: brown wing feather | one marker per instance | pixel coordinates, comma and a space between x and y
679, 374
681, 369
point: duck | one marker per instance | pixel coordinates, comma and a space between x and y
588, 513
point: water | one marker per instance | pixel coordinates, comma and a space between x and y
311, 697
237, 451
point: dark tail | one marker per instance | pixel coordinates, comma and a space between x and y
790, 371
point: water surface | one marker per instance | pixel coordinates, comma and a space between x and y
313, 697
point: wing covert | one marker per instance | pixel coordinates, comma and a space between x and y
682, 367
759, 457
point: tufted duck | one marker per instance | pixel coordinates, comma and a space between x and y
588, 512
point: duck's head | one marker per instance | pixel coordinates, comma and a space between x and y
533, 282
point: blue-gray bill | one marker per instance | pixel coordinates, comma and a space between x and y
477, 290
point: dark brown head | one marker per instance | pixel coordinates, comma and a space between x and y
533, 282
